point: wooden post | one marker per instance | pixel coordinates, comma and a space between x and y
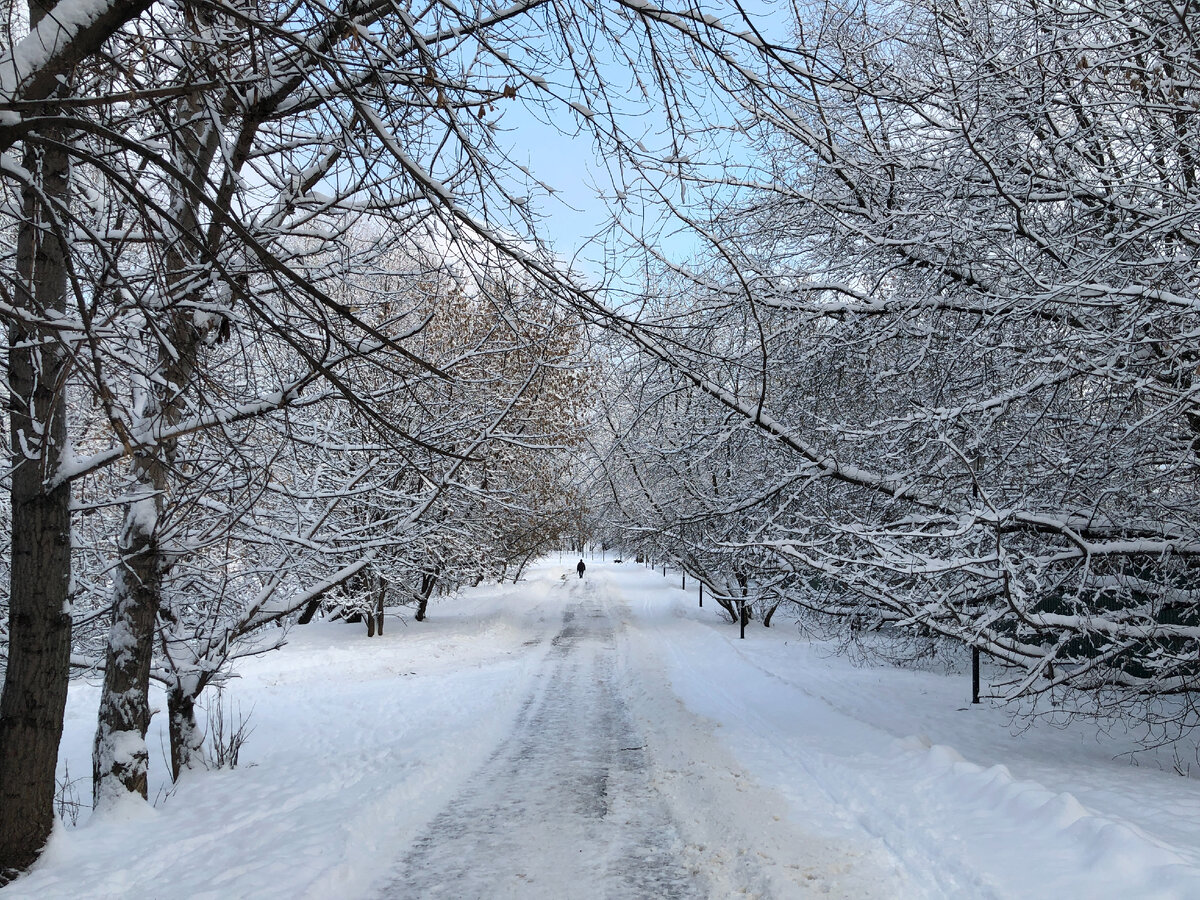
974, 674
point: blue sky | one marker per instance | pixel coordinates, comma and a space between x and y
565, 158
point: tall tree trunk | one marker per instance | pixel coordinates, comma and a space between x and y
39, 651
119, 754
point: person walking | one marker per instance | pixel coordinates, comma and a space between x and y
579, 568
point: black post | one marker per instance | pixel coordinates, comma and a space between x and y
702, 595
742, 618
664, 570
684, 577
974, 674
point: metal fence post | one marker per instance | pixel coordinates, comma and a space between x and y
974, 674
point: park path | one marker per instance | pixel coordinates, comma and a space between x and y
606, 786
565, 806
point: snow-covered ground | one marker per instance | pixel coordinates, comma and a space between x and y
605, 737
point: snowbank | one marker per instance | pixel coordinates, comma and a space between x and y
966, 800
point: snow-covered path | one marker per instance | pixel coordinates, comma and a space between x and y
565, 806
583, 799
564, 738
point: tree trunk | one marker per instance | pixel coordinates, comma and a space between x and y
729, 605
744, 609
120, 760
520, 568
39, 651
187, 740
428, 581
379, 610
770, 612
309, 612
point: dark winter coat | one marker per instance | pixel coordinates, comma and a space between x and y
579, 568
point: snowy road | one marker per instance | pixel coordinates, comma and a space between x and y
561, 739
586, 796
565, 807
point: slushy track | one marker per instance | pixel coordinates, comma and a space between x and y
565, 807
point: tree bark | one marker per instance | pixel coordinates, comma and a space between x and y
309, 611
39, 652
520, 568
379, 609
187, 740
120, 760
428, 581
730, 606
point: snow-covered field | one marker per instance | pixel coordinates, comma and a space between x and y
605, 737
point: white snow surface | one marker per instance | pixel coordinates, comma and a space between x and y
603, 736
